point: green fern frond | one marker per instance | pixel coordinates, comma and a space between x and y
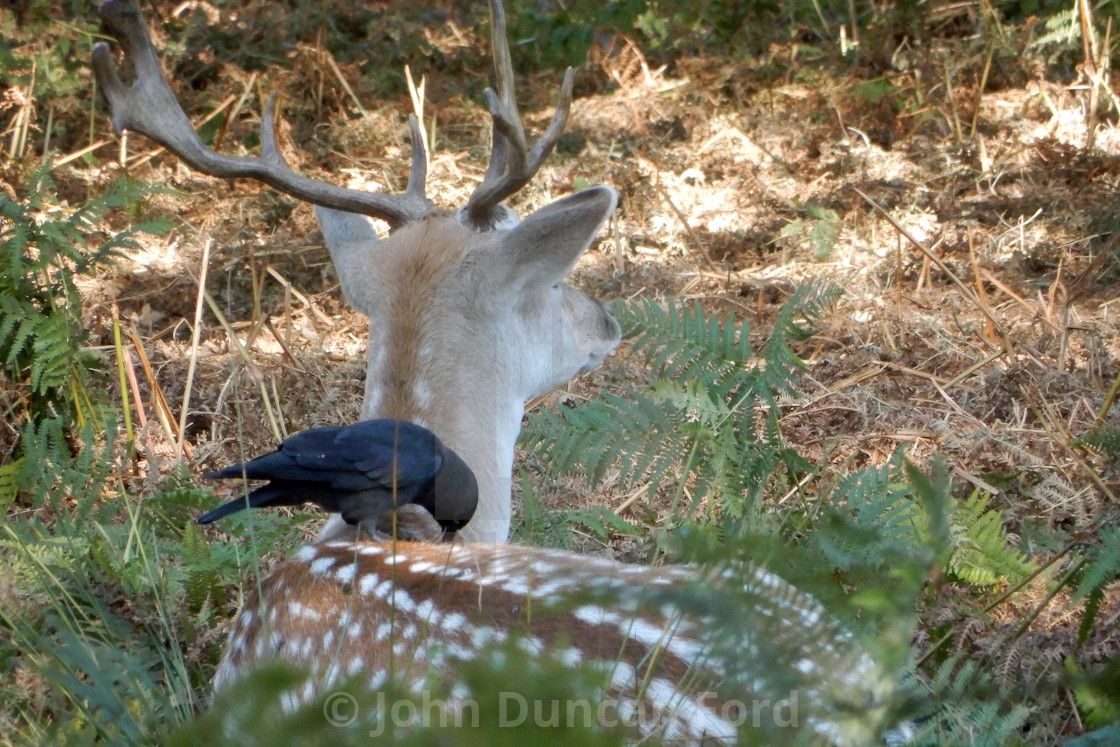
1062, 28
1105, 439
981, 553
19, 339
963, 706
883, 520
44, 247
589, 439
1103, 564
795, 322
683, 344
9, 483
53, 354
694, 427
202, 581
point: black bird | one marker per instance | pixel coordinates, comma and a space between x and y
360, 471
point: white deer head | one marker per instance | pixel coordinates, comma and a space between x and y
465, 327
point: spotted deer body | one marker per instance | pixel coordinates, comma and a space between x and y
414, 611
469, 318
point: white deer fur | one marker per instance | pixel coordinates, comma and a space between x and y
466, 327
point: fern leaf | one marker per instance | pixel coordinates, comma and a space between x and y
794, 322
1104, 439
694, 426
199, 582
1103, 565
9, 483
964, 707
52, 354
981, 553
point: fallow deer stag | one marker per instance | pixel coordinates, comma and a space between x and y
469, 318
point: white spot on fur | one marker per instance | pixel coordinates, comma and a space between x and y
322, 566
453, 621
301, 610
381, 591
623, 675
368, 584
570, 657
400, 600
427, 610
346, 573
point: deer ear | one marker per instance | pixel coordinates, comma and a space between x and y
546, 245
351, 239
340, 228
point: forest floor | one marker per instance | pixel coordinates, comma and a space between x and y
971, 228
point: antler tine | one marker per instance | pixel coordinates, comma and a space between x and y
512, 164
148, 106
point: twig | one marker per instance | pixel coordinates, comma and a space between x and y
630, 499
695, 241
196, 334
254, 371
63, 160
304, 299
235, 111
163, 410
991, 278
123, 378
1007, 348
346, 86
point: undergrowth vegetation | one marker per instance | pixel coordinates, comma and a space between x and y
114, 604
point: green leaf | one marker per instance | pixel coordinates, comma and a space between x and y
9, 483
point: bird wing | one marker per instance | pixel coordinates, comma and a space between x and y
368, 455
391, 450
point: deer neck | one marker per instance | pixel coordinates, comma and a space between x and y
474, 415
439, 357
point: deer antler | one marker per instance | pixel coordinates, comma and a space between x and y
149, 107
512, 164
